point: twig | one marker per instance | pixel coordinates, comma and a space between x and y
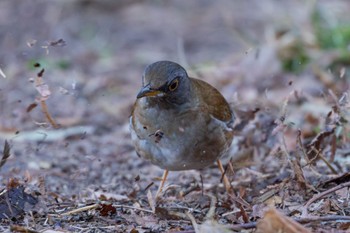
94, 206
47, 114
39, 82
208, 216
227, 183
133, 207
193, 221
189, 190
327, 218
239, 227
321, 195
191, 210
308, 161
85, 208
212, 207
148, 186
320, 155
300, 143
289, 160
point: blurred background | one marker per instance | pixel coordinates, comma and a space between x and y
94, 52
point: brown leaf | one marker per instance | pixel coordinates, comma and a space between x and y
338, 180
273, 221
41, 73
59, 42
37, 65
164, 213
298, 173
5, 154
13, 183
134, 231
107, 209
31, 107
20, 229
345, 226
317, 143
333, 148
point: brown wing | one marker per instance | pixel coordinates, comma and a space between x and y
216, 103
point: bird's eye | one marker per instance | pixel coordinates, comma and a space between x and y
174, 84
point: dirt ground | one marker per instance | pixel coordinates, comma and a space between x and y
69, 75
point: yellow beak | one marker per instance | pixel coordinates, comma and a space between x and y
147, 92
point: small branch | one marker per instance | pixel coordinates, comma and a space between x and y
47, 114
321, 195
327, 218
320, 155
193, 221
243, 226
211, 211
44, 94
94, 206
85, 208
134, 208
288, 157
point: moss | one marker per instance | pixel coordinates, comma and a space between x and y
296, 61
330, 35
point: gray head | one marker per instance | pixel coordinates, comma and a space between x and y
165, 81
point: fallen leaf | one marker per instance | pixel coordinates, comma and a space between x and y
107, 210
59, 42
5, 154
31, 107
15, 202
273, 221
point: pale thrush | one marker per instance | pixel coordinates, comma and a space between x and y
178, 122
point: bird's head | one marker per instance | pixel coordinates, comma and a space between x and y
165, 81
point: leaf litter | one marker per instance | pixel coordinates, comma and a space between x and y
289, 160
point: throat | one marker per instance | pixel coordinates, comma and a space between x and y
167, 102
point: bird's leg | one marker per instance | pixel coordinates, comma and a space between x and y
162, 182
227, 183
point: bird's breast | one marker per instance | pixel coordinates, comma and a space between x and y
177, 140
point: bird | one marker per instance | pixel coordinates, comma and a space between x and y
178, 122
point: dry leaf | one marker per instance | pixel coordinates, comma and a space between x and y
317, 143
31, 43
273, 221
5, 154
15, 202
43, 90
298, 173
59, 42
31, 107
151, 201
107, 209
